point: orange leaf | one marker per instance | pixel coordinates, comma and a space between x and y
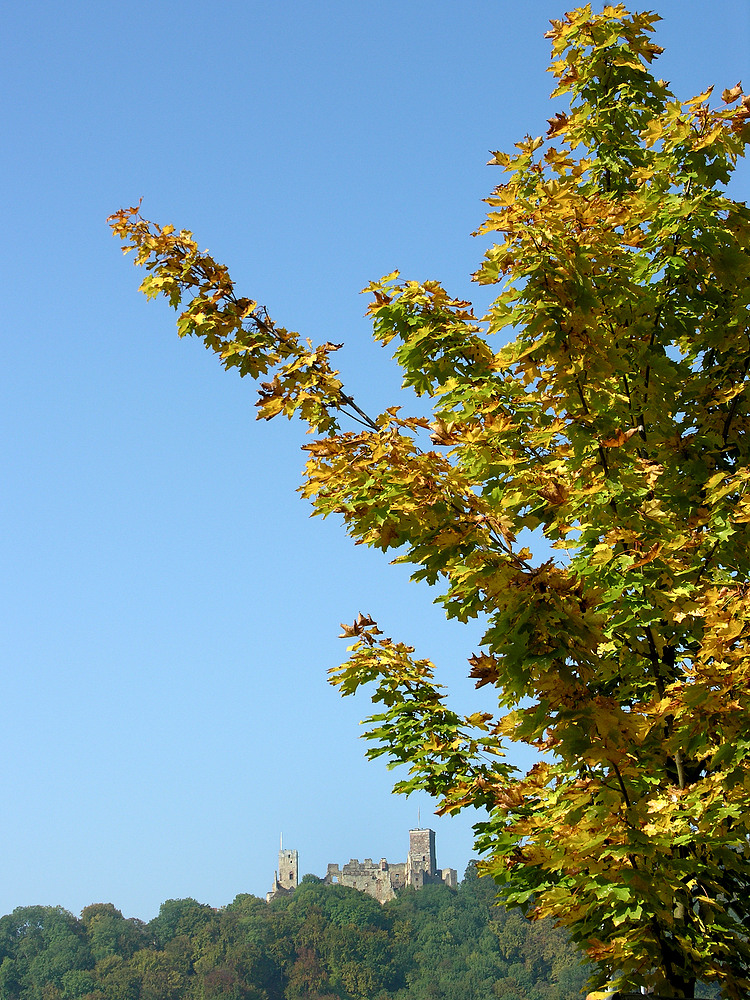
619, 438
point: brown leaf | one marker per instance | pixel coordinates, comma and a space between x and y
363, 626
442, 433
619, 438
483, 669
730, 95
652, 553
510, 797
388, 534
557, 124
554, 493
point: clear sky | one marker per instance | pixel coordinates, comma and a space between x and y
168, 609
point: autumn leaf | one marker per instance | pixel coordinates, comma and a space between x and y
483, 669
557, 124
619, 438
648, 557
730, 95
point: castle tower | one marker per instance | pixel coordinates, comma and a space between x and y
288, 876
286, 879
421, 866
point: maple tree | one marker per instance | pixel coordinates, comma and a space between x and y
614, 425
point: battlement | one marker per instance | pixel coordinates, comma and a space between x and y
380, 879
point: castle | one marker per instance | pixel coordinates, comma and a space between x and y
379, 880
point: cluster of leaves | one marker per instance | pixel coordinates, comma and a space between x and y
324, 943
614, 427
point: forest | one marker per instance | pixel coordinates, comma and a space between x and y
323, 942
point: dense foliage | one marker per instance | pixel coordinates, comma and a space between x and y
322, 943
614, 427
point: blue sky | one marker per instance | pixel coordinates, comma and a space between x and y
169, 610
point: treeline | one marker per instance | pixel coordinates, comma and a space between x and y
321, 943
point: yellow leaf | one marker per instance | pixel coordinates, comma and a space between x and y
700, 99
710, 138
602, 554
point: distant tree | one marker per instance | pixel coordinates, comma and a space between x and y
76, 984
225, 983
615, 427
109, 933
161, 978
338, 903
178, 916
38, 946
116, 979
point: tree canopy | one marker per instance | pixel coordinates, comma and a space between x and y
600, 407
322, 943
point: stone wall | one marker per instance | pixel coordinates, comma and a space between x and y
378, 880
